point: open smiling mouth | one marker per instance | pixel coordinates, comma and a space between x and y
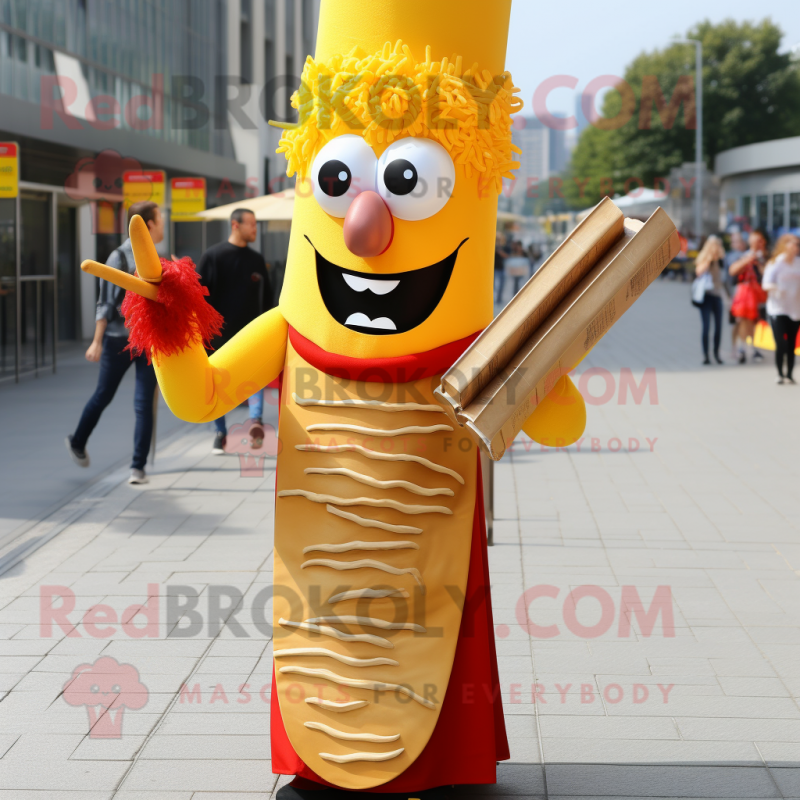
383, 304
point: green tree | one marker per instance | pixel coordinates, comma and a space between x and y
751, 93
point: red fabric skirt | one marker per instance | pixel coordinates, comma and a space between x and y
746, 300
470, 734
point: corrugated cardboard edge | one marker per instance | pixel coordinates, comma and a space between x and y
496, 445
484, 366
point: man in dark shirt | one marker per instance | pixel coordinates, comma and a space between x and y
237, 280
108, 347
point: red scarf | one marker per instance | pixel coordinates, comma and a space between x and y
401, 369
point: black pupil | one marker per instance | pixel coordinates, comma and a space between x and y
400, 177
335, 178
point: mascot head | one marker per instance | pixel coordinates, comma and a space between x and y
404, 137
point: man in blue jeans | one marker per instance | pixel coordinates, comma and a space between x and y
108, 347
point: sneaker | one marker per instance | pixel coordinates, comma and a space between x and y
779, 380
256, 434
742, 358
790, 379
80, 457
218, 448
757, 356
138, 476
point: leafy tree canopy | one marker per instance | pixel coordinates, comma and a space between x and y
751, 93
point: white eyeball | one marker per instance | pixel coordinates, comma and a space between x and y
343, 169
416, 178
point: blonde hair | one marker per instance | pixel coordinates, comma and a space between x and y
389, 95
781, 245
706, 254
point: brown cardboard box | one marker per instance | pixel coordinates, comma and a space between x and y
583, 317
496, 346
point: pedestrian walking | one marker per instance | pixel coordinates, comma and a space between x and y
708, 283
108, 348
782, 284
236, 277
500, 256
738, 249
747, 271
517, 266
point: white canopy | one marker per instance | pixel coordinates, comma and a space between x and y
276, 207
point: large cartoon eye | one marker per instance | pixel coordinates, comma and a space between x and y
342, 169
416, 178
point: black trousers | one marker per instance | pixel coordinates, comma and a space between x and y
712, 306
784, 329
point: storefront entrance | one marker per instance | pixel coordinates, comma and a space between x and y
39, 284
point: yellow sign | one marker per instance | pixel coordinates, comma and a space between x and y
188, 197
142, 185
9, 169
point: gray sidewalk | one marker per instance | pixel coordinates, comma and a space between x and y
693, 488
37, 415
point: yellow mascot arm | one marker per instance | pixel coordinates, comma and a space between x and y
200, 389
560, 419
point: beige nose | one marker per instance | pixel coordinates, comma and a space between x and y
368, 226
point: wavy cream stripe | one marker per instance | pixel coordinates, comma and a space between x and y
357, 683
364, 563
368, 480
367, 638
375, 502
350, 758
340, 708
376, 405
325, 653
351, 737
368, 594
378, 456
340, 426
364, 522
348, 546
368, 622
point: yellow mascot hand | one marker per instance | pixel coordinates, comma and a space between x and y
560, 419
198, 388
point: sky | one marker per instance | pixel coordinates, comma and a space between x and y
587, 39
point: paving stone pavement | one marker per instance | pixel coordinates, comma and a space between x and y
684, 494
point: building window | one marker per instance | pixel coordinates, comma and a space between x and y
794, 212
269, 42
309, 27
747, 210
289, 31
762, 211
246, 43
778, 209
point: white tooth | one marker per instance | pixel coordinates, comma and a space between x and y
376, 287
363, 321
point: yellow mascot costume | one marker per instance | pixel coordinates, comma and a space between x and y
385, 674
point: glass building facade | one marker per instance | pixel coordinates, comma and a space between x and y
146, 84
120, 45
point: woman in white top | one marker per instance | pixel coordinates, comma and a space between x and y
782, 282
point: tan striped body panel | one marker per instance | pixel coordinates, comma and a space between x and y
409, 539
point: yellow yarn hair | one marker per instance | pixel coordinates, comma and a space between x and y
389, 95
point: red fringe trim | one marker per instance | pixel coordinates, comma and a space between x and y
181, 316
